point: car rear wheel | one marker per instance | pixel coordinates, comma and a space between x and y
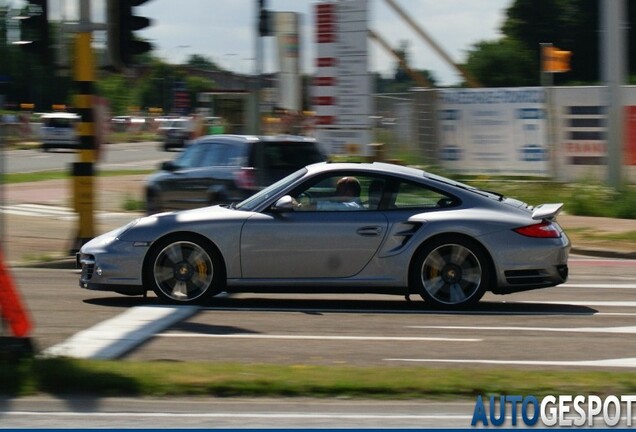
184, 271
451, 272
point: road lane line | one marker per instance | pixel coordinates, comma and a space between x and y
112, 338
317, 337
597, 286
61, 213
620, 362
617, 330
282, 415
582, 303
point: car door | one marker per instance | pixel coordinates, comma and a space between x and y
180, 188
315, 240
334, 244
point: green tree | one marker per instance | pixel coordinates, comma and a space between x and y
116, 89
402, 80
196, 85
200, 62
503, 63
571, 25
156, 86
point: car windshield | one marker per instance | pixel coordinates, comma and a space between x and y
59, 122
255, 200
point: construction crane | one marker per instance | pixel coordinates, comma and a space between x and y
472, 82
420, 79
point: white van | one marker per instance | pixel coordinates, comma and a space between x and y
58, 131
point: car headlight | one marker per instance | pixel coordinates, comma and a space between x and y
111, 236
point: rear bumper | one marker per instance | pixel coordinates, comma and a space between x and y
532, 264
60, 144
524, 280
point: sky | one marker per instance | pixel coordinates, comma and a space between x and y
224, 30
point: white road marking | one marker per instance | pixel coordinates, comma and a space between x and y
281, 415
50, 211
584, 303
37, 210
619, 330
621, 362
597, 286
318, 337
111, 338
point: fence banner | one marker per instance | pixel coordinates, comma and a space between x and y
494, 131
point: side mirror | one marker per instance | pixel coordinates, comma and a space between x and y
167, 166
284, 204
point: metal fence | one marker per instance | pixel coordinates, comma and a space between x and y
406, 123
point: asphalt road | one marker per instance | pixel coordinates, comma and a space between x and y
208, 413
596, 308
145, 155
588, 322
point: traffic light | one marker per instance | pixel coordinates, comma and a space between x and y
264, 20
555, 60
34, 29
122, 41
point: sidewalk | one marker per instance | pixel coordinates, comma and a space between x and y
31, 239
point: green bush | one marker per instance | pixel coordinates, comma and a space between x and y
595, 200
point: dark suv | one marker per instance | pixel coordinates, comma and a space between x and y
220, 169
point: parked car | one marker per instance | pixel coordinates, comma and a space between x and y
58, 131
227, 168
175, 133
412, 233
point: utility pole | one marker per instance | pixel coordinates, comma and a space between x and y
613, 54
83, 171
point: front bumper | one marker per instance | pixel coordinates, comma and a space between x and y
116, 266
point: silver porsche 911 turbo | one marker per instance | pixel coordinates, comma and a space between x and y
339, 228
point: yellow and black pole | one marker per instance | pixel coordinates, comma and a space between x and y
83, 171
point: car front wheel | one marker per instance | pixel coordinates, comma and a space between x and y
184, 271
451, 272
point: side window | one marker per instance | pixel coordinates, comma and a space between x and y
222, 155
234, 155
214, 155
191, 157
341, 192
413, 195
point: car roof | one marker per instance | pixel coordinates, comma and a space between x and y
60, 115
372, 167
238, 139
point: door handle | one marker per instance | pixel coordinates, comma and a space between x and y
369, 231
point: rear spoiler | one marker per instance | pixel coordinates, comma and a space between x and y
546, 211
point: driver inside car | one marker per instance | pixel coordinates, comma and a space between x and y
345, 197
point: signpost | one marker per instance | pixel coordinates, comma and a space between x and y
342, 85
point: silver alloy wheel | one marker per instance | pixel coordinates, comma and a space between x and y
183, 271
451, 274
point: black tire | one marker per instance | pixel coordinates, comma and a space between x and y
451, 272
153, 204
184, 269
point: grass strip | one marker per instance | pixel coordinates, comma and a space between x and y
123, 378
